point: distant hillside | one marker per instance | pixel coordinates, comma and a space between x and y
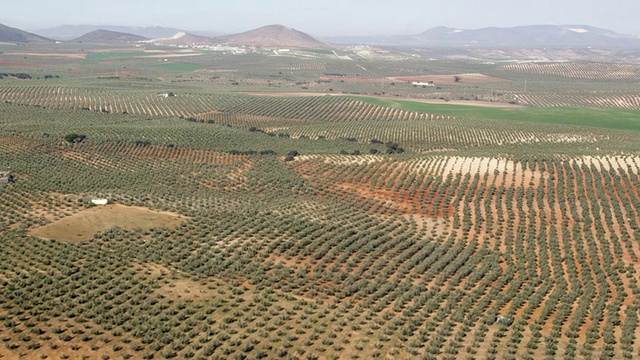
9, 34
108, 37
182, 38
565, 36
525, 37
273, 36
68, 32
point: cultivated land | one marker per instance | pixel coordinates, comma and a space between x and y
84, 224
366, 224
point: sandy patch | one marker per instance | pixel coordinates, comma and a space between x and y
342, 159
83, 225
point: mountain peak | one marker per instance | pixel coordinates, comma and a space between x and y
102, 36
273, 36
9, 34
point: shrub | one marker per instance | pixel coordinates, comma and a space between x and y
74, 138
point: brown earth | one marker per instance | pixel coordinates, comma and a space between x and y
83, 225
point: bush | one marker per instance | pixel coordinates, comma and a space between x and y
143, 143
74, 138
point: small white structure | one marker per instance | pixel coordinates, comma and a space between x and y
5, 177
99, 201
418, 83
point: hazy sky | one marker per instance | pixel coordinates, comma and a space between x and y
322, 18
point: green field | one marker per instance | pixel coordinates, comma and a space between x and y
617, 119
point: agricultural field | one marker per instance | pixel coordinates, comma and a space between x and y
311, 207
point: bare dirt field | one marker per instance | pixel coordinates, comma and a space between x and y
83, 225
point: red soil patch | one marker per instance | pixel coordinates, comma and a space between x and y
406, 201
19, 63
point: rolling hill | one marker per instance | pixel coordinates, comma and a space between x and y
182, 38
69, 32
108, 37
562, 36
9, 34
273, 36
